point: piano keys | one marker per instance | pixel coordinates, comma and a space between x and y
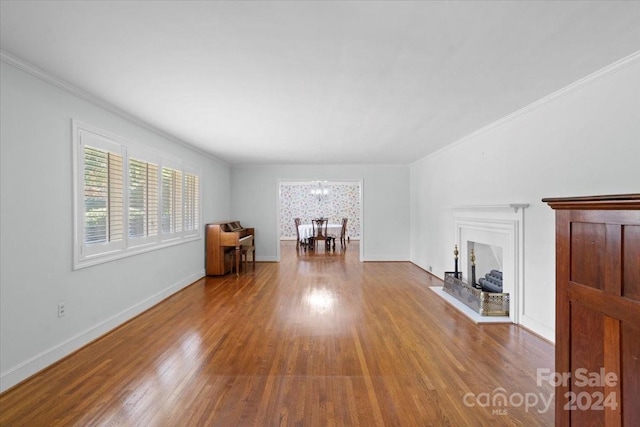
224, 243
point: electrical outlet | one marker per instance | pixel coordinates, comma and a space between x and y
61, 309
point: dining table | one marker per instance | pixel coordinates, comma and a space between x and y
305, 231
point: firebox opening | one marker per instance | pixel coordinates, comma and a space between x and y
488, 261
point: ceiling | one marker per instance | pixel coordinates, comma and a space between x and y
327, 82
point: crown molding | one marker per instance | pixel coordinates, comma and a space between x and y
609, 69
99, 102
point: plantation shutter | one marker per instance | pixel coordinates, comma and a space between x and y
191, 202
103, 196
171, 200
143, 199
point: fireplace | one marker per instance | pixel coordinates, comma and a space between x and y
495, 234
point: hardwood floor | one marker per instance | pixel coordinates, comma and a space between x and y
315, 340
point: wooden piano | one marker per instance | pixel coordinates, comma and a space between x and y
225, 241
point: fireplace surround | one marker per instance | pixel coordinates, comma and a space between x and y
500, 228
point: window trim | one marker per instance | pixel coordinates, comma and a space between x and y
129, 246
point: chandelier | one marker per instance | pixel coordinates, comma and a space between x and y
320, 191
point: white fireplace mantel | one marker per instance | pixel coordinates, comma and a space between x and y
491, 208
496, 225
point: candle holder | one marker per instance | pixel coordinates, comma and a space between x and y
473, 270
457, 274
455, 258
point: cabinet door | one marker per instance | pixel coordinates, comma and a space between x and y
598, 317
630, 325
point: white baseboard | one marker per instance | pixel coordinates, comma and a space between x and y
387, 258
35, 364
266, 258
538, 328
431, 268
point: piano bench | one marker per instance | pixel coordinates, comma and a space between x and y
244, 256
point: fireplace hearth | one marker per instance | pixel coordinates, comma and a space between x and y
482, 302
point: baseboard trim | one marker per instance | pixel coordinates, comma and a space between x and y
386, 258
537, 328
26, 369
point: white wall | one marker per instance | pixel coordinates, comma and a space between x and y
36, 230
254, 201
584, 140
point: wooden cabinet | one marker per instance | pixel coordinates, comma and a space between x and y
598, 310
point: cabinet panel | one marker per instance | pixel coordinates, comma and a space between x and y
631, 262
588, 254
630, 374
587, 356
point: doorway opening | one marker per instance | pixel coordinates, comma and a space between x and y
319, 199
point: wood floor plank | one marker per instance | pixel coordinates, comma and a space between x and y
319, 339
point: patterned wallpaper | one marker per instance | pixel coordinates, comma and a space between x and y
341, 201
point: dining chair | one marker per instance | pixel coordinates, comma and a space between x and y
343, 233
298, 242
319, 226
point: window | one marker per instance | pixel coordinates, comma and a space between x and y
127, 201
143, 200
